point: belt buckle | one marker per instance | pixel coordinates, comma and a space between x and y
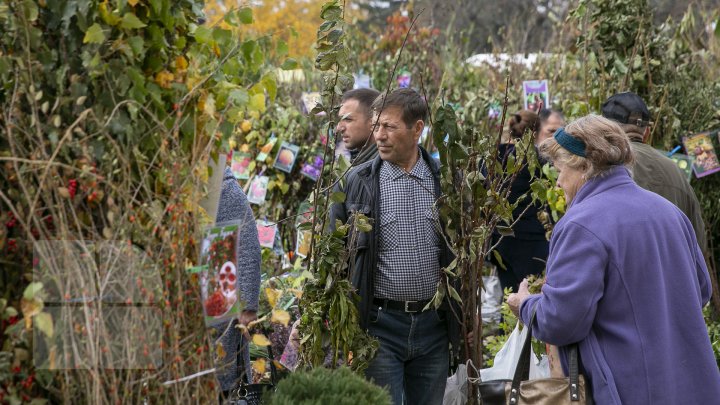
406, 306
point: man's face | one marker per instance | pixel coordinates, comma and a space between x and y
397, 143
548, 128
355, 126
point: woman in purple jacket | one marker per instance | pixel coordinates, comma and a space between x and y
625, 278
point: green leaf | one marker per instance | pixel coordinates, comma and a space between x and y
505, 230
499, 259
257, 102
203, 35
245, 15
44, 322
289, 64
32, 289
94, 35
30, 10
337, 197
454, 294
130, 21
282, 48
137, 44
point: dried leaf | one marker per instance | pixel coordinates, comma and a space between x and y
272, 296
220, 351
260, 340
280, 316
259, 366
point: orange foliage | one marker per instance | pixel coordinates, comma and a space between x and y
293, 21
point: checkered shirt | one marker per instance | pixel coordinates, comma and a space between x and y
408, 244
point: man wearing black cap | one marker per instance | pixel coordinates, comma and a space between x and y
653, 171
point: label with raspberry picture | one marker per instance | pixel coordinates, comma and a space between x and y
218, 273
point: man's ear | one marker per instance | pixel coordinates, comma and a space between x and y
418, 128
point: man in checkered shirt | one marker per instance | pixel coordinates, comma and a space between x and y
399, 263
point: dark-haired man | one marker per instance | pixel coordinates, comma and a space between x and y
355, 125
398, 264
653, 171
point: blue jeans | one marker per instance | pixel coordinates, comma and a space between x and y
413, 358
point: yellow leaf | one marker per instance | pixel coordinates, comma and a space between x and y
43, 321
133, 2
257, 102
181, 63
280, 316
272, 296
220, 351
30, 308
164, 78
260, 340
259, 366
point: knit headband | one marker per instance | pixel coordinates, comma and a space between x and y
567, 141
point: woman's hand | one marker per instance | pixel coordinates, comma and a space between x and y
515, 300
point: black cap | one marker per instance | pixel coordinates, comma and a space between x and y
627, 108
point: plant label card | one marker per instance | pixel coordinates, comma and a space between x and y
302, 243
700, 147
684, 162
313, 169
258, 190
266, 233
536, 95
310, 100
404, 79
285, 159
219, 273
241, 165
362, 81
265, 150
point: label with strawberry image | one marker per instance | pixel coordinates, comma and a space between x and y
219, 273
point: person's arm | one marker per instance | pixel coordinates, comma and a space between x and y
234, 206
703, 277
575, 283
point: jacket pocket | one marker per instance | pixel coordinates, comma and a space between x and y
388, 231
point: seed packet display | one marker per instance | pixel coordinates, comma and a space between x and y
313, 168
684, 162
265, 151
219, 272
536, 95
404, 79
266, 233
700, 147
241, 165
303, 236
258, 190
285, 159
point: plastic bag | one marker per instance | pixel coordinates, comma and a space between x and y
491, 298
456, 389
507, 358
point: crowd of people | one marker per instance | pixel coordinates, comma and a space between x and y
625, 273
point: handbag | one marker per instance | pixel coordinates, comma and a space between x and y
249, 393
572, 390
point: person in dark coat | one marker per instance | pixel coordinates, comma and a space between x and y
525, 252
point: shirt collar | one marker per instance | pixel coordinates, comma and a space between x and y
392, 171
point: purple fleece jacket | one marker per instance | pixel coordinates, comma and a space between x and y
626, 279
